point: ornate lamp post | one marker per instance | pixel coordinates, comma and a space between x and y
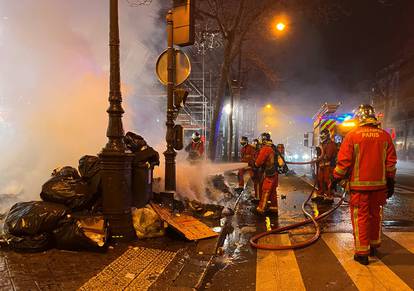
115, 162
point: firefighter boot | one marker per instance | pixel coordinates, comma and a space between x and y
362, 259
372, 251
273, 204
316, 197
263, 202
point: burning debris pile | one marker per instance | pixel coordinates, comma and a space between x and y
70, 215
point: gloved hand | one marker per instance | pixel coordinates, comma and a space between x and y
390, 186
335, 182
252, 164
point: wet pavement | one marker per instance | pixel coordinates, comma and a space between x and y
229, 262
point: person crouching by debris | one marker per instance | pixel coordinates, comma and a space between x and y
267, 159
195, 149
247, 154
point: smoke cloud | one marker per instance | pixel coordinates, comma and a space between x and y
54, 84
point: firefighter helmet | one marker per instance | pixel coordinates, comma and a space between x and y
325, 135
366, 115
196, 137
244, 140
265, 137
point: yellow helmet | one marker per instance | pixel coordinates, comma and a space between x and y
366, 115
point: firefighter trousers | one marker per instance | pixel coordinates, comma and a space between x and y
268, 192
324, 180
366, 214
255, 178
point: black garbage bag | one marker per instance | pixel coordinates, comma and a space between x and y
134, 142
143, 153
147, 154
34, 218
74, 193
66, 172
82, 233
30, 244
89, 166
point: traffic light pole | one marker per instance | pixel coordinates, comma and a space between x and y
170, 154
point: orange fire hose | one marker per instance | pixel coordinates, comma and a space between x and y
254, 240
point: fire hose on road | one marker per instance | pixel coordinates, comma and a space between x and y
254, 241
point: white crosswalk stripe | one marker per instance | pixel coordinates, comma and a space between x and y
375, 276
279, 270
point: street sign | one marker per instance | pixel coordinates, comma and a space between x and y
182, 67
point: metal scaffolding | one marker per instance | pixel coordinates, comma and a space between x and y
197, 112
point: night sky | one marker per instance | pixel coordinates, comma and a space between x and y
326, 61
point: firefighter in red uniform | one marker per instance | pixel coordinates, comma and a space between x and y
247, 154
367, 158
325, 169
267, 159
195, 149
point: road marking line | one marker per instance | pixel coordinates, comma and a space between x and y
375, 276
277, 270
406, 239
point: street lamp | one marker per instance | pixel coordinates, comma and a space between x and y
227, 109
115, 162
280, 26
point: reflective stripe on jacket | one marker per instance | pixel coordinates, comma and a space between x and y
368, 155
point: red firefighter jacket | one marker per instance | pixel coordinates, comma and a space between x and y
368, 155
195, 149
247, 153
267, 159
329, 153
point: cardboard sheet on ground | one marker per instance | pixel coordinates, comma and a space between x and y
190, 227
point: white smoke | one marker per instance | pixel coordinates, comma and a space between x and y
54, 84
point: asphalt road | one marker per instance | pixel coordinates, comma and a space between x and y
326, 265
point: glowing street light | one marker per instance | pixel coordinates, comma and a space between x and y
227, 109
268, 106
280, 26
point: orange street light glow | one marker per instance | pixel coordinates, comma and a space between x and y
268, 106
280, 26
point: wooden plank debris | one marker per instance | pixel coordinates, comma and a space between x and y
190, 227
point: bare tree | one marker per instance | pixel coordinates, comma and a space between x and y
234, 19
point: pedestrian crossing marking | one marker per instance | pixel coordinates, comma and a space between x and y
405, 239
277, 270
375, 276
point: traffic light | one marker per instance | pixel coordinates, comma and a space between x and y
306, 139
180, 97
178, 137
184, 20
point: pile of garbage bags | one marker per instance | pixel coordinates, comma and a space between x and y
69, 217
